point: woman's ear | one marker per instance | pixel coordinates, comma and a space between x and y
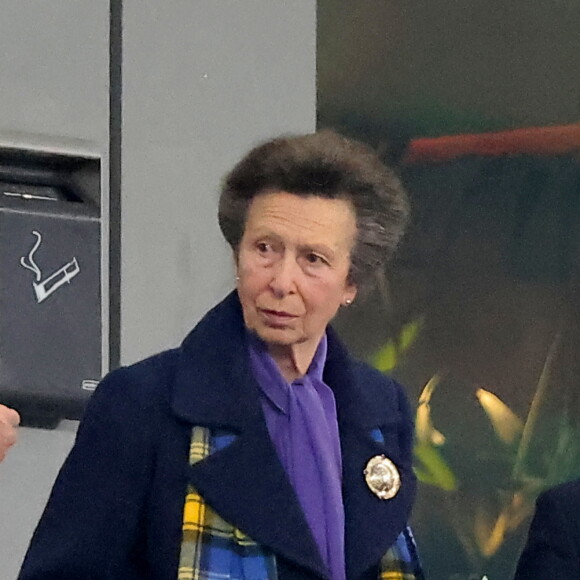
235, 261
349, 294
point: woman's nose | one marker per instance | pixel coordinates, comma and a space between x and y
283, 280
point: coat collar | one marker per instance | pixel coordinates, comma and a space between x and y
246, 482
215, 386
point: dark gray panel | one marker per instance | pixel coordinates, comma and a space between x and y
50, 316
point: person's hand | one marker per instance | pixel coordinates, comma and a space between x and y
9, 421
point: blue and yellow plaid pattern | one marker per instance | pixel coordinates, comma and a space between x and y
401, 561
213, 549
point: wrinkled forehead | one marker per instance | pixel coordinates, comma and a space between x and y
304, 218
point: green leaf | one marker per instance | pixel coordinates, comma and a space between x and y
387, 357
385, 360
425, 432
506, 424
432, 468
409, 334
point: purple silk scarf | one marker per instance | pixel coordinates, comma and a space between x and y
301, 420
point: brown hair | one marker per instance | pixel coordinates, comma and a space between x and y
327, 165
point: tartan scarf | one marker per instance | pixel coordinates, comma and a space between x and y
213, 549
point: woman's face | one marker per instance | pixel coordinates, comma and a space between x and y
293, 265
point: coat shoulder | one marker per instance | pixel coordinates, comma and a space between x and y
566, 493
563, 499
154, 370
143, 383
379, 386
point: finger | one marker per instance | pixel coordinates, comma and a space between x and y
8, 436
9, 416
13, 417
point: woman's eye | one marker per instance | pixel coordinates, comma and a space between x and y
315, 259
263, 247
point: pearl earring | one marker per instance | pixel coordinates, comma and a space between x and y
348, 302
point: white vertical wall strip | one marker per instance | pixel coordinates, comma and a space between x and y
203, 81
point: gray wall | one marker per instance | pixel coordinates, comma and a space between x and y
53, 96
54, 73
220, 76
202, 82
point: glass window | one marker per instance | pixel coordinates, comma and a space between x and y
476, 103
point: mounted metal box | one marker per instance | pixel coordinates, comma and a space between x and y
50, 286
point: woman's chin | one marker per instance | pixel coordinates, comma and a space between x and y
278, 334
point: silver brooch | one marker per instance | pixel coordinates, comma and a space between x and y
382, 477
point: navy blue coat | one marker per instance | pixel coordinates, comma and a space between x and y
116, 509
553, 546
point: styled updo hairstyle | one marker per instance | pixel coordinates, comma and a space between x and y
327, 165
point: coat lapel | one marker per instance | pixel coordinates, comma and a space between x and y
245, 482
372, 524
365, 404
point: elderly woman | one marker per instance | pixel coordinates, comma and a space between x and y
258, 449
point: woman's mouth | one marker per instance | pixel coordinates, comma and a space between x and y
277, 317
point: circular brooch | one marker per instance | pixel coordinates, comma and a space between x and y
382, 477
